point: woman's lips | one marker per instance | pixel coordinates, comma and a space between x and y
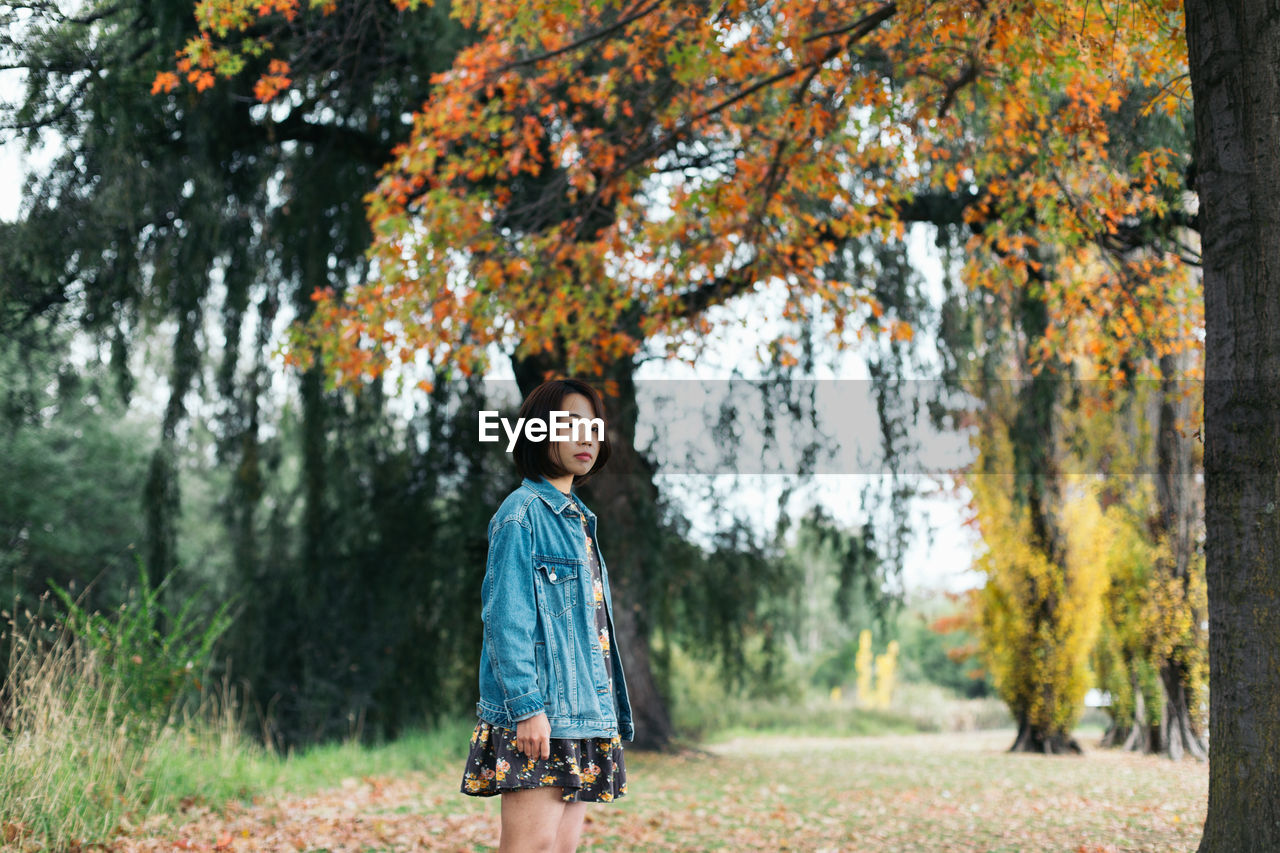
585, 457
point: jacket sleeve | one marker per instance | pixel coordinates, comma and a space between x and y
510, 614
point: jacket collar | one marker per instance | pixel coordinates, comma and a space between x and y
555, 498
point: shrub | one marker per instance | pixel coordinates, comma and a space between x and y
86, 705
153, 658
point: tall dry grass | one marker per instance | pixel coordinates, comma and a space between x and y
76, 769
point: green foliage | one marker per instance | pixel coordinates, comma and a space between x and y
155, 658
840, 578
724, 605
161, 221
835, 667
703, 707
73, 464
91, 733
938, 647
935, 647
77, 763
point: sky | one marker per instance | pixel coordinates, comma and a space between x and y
12, 167
942, 554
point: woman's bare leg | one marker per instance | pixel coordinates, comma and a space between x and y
531, 820
570, 827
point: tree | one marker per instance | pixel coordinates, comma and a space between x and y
1234, 50
174, 217
1151, 624
73, 469
548, 147
1045, 561
592, 177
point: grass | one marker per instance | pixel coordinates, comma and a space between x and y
813, 774
77, 769
958, 791
919, 792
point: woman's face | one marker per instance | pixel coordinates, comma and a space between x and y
576, 457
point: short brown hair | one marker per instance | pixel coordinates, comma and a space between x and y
533, 458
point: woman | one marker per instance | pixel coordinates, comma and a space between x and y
553, 703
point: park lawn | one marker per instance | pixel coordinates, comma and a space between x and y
918, 792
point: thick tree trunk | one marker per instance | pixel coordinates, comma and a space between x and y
1234, 53
1032, 739
1038, 481
624, 498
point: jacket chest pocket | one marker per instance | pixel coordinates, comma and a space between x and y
558, 581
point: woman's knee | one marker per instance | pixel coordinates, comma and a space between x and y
570, 827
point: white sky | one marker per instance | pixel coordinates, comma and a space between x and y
12, 168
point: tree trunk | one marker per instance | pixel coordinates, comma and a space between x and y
1178, 509
1134, 734
1234, 48
161, 498
1178, 732
1142, 736
1038, 483
624, 498
1032, 739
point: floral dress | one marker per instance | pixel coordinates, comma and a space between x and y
587, 769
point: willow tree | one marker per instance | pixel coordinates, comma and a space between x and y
201, 220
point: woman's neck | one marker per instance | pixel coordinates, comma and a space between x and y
564, 483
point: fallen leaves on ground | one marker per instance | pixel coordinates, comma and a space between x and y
900, 793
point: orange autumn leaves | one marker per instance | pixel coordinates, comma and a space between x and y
202, 59
589, 175
274, 81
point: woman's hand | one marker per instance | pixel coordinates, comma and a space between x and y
533, 736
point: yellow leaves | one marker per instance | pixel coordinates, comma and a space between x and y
1169, 613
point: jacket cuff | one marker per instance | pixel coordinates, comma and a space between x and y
523, 707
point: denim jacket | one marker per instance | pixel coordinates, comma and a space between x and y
540, 650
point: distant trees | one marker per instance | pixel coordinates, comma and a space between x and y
204, 228
73, 468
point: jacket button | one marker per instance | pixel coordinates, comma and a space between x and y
552, 575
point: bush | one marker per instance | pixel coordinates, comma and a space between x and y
703, 708
153, 658
87, 706
933, 708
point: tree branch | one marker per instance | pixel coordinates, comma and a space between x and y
585, 40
